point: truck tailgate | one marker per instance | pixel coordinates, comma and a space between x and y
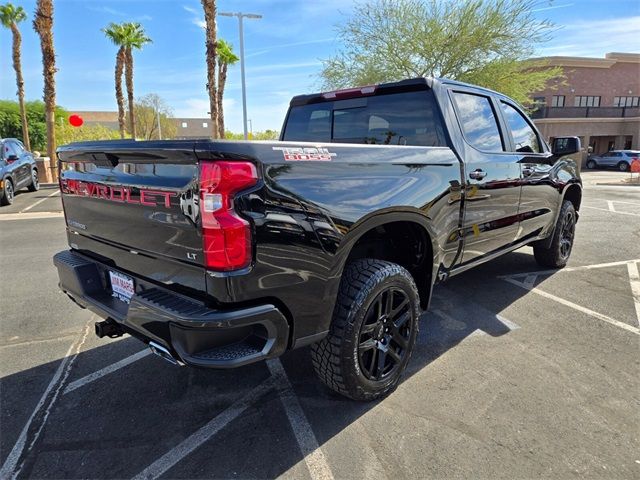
136, 206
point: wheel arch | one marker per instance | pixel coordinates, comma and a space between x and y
573, 193
381, 234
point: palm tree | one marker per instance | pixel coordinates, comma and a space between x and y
226, 57
10, 16
134, 37
43, 25
115, 33
211, 41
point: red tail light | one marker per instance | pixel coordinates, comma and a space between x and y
226, 238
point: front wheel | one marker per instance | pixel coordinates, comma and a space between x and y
35, 183
591, 164
557, 254
373, 331
623, 166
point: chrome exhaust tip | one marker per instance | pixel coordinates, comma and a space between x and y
165, 354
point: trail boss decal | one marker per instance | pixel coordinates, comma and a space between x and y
296, 154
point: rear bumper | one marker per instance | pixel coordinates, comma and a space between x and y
194, 333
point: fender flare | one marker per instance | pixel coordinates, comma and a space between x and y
546, 242
376, 219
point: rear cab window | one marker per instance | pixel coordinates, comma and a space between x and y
405, 118
478, 121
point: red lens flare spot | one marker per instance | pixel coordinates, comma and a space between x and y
76, 120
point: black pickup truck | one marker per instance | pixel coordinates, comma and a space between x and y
222, 253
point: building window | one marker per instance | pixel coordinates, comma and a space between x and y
184, 124
557, 101
586, 101
205, 124
626, 101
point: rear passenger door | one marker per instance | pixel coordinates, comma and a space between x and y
539, 198
491, 176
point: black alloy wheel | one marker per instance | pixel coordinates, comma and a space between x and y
567, 233
385, 334
372, 333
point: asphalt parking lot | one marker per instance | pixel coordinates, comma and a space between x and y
518, 373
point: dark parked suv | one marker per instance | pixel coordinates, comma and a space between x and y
17, 169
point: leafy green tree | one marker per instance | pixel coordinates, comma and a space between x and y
264, 135
11, 122
147, 110
66, 133
10, 17
485, 42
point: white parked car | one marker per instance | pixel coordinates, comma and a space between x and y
620, 159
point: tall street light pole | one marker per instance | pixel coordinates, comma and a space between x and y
240, 16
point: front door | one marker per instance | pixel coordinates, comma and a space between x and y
539, 196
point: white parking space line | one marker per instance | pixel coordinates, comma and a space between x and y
39, 202
614, 201
610, 206
195, 440
634, 280
81, 382
575, 306
30, 215
313, 455
568, 269
10, 469
614, 211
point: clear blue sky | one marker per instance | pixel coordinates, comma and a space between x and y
283, 50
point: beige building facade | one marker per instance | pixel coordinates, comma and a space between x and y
599, 101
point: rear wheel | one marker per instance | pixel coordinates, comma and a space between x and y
35, 183
557, 255
373, 331
6, 195
623, 166
591, 164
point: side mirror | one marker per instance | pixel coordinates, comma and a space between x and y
566, 146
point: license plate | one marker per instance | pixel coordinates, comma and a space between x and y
122, 286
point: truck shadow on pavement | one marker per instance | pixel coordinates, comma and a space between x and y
119, 424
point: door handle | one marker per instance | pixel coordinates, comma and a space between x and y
477, 174
527, 171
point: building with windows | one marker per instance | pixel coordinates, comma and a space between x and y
188, 128
599, 101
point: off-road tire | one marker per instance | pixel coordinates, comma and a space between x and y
337, 358
556, 256
35, 182
7, 193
